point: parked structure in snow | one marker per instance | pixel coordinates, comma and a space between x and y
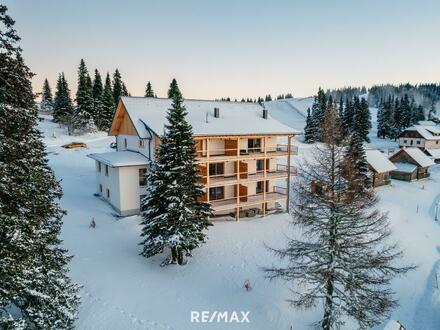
411, 163
237, 147
380, 167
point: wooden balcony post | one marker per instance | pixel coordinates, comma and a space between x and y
288, 172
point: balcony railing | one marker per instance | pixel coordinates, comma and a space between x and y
279, 149
277, 193
232, 178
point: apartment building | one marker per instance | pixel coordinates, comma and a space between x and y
243, 155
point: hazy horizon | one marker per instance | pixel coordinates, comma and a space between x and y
232, 49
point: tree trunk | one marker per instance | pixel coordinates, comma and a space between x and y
328, 308
180, 257
173, 255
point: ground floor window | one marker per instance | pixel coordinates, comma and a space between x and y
108, 193
100, 188
216, 193
142, 177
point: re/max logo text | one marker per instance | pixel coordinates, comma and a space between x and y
219, 317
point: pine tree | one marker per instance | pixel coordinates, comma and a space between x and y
355, 154
174, 217
108, 104
35, 291
84, 111
341, 259
46, 98
117, 87
64, 112
98, 101
309, 130
362, 119
149, 90
124, 90
397, 119
348, 117
174, 88
318, 109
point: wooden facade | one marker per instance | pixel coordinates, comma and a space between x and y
403, 157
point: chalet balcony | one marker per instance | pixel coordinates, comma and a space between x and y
225, 154
281, 171
277, 194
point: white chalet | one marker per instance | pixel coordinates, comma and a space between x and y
237, 145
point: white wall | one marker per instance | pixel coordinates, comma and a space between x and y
129, 188
110, 182
413, 140
133, 144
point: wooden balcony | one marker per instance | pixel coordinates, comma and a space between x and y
229, 154
278, 193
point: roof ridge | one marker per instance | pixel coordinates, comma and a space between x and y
190, 99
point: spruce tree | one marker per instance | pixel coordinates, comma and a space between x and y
341, 259
362, 119
174, 88
174, 217
309, 130
117, 86
98, 101
84, 100
149, 90
46, 98
64, 112
108, 104
355, 154
348, 117
35, 291
124, 90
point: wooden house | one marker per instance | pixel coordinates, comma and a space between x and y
425, 136
237, 150
411, 164
380, 167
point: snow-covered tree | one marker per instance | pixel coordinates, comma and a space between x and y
64, 112
362, 119
358, 162
35, 291
108, 104
173, 216
149, 90
310, 129
117, 86
173, 89
341, 257
84, 111
46, 98
98, 101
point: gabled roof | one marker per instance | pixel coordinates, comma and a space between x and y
378, 161
405, 167
425, 131
435, 153
236, 118
120, 158
417, 155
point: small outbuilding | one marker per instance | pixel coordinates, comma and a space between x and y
380, 167
412, 164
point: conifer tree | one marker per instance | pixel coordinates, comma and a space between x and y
309, 130
362, 119
342, 258
174, 217
98, 101
35, 291
173, 89
348, 117
149, 90
117, 87
108, 104
46, 98
84, 111
124, 90
358, 163
64, 112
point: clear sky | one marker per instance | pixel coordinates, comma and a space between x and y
232, 48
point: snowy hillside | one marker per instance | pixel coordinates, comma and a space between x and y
122, 290
291, 112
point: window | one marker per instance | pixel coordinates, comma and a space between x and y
99, 167
260, 164
436, 142
254, 145
418, 142
260, 187
216, 193
108, 193
100, 188
142, 177
141, 143
412, 142
106, 170
125, 143
405, 141
216, 169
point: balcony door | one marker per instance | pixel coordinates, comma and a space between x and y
254, 145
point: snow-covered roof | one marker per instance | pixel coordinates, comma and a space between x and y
236, 118
426, 131
405, 167
426, 123
378, 161
435, 153
419, 156
120, 158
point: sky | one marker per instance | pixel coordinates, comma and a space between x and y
236, 49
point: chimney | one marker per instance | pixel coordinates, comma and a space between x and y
264, 113
217, 112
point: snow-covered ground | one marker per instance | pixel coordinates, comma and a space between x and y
122, 290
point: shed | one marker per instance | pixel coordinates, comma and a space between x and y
412, 164
380, 167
